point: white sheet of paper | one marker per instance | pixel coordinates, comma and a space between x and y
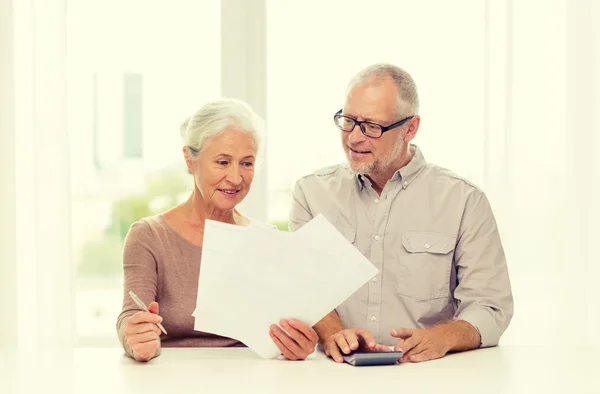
251, 277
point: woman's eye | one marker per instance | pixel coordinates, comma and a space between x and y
222, 162
248, 164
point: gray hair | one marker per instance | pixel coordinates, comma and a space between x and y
408, 98
214, 118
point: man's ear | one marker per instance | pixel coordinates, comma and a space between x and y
413, 127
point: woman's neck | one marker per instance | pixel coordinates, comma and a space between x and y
198, 211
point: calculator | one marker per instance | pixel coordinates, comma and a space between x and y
374, 358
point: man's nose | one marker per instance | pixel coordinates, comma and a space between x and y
356, 136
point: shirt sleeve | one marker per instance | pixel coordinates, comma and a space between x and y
139, 274
300, 213
483, 293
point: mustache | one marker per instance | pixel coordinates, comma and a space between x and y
357, 148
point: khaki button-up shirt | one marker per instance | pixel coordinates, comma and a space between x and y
434, 239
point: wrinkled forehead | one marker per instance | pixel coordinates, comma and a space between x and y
232, 141
374, 101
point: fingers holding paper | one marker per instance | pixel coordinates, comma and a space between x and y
299, 344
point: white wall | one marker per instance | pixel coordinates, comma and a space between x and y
8, 253
581, 231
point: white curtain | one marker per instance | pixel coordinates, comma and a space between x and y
8, 267
581, 263
39, 263
541, 166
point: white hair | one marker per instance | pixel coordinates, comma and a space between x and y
408, 98
214, 118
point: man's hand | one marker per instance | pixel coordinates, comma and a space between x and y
420, 344
431, 343
350, 340
299, 344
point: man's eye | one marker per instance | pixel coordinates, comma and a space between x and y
372, 127
347, 122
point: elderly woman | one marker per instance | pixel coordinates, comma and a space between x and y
162, 253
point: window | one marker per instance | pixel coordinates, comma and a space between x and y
136, 69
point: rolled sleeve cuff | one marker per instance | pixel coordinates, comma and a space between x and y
484, 323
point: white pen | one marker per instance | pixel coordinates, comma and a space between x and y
144, 307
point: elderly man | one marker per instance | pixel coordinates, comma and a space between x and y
443, 284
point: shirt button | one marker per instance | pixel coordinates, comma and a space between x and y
427, 246
376, 201
374, 280
405, 183
373, 318
377, 238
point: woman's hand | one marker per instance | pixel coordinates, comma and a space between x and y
142, 335
299, 344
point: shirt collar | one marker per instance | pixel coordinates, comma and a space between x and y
405, 174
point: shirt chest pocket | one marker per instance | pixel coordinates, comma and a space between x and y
424, 264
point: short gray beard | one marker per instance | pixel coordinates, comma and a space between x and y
379, 166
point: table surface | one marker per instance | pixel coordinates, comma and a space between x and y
505, 369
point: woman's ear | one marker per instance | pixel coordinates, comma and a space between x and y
187, 156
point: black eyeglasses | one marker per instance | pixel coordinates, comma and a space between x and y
369, 129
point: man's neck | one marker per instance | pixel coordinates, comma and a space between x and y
379, 180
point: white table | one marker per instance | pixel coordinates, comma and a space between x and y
496, 370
